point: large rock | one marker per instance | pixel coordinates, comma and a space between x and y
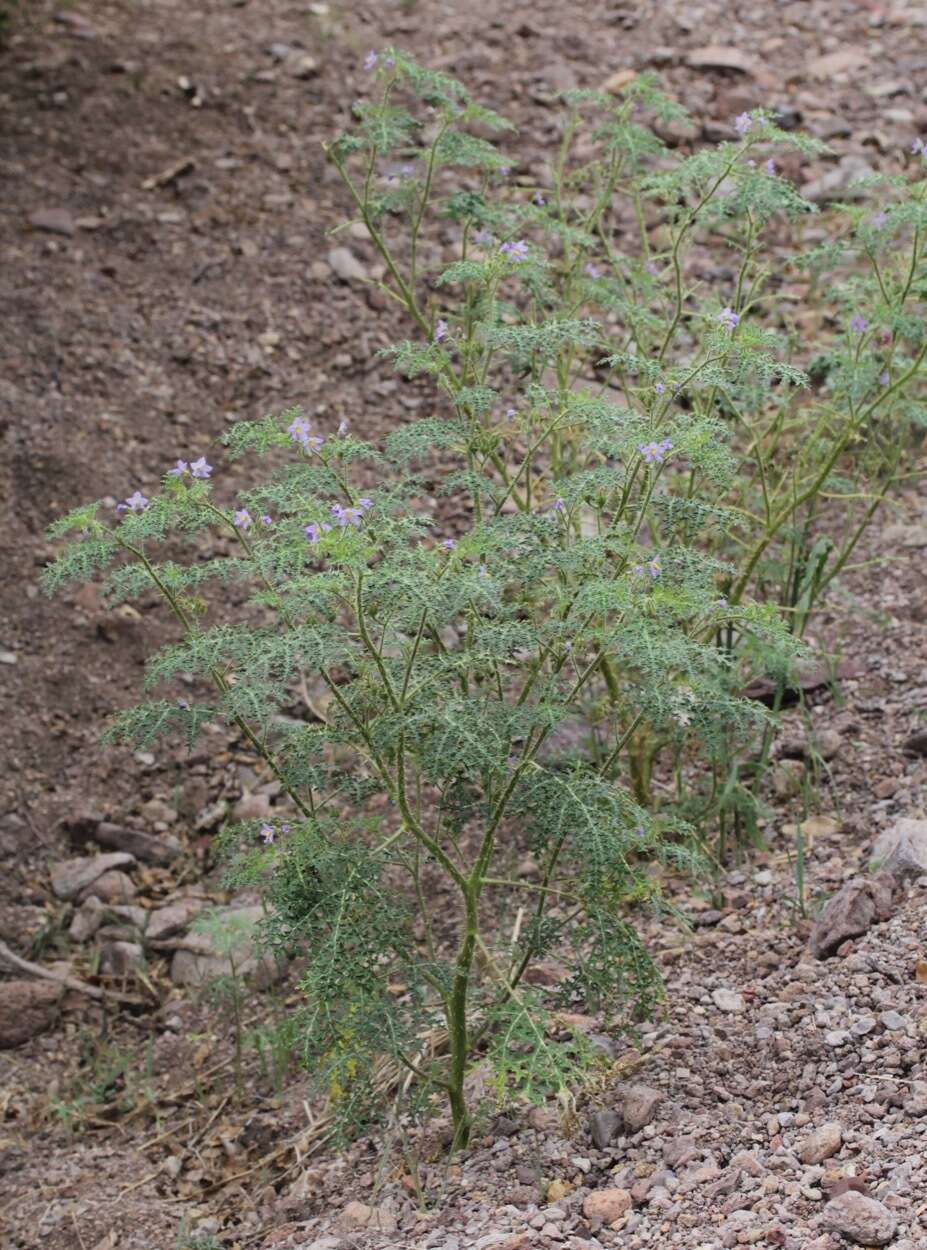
607, 1205
27, 1008
113, 887
852, 910
638, 1104
120, 959
144, 846
345, 265
70, 876
902, 850
822, 1143
167, 922
225, 943
863, 1220
87, 919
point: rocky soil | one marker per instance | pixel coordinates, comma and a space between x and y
167, 268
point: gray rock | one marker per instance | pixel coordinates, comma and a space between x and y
345, 265
167, 922
27, 1008
638, 1104
224, 943
113, 887
852, 910
144, 846
728, 1000
120, 959
863, 1220
70, 876
902, 849
52, 220
87, 919
604, 1126
838, 183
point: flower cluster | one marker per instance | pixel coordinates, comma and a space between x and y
654, 453
653, 567
298, 430
342, 517
136, 502
742, 124
729, 319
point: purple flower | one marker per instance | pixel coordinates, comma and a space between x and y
505, 170
654, 567
364, 504
481, 572
314, 531
267, 520
484, 238
558, 506
728, 319
179, 469
917, 147
879, 220
858, 323
242, 519
440, 331
515, 251
298, 429
199, 468
883, 378
346, 516
568, 646
342, 429
771, 167
539, 199
267, 834
722, 602
370, 60
511, 412
742, 123
448, 544
654, 453
136, 502
592, 271
659, 388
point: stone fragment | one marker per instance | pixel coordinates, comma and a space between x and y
616, 82
120, 959
720, 56
252, 807
842, 61
607, 1205
853, 909
638, 1104
345, 265
70, 876
917, 743
356, 1215
113, 887
53, 221
143, 846
728, 1000
167, 922
27, 1008
603, 1127
902, 849
839, 183
864, 1220
87, 919
228, 941
822, 1143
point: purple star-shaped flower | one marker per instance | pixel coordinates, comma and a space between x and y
448, 544
591, 270
199, 468
858, 323
370, 60
539, 199
515, 251
314, 531
742, 123
918, 147
267, 834
654, 567
179, 469
659, 387
242, 519
267, 520
770, 167
137, 502
654, 453
440, 331
364, 503
728, 318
